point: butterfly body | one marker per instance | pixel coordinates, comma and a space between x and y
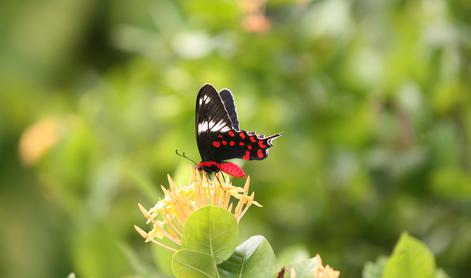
229, 168
218, 135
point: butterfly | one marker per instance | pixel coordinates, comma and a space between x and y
218, 135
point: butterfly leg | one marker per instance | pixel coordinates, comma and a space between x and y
217, 177
223, 178
220, 183
206, 175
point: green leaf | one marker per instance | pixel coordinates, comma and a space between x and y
253, 258
411, 258
374, 269
213, 231
193, 264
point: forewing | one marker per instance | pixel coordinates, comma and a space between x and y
240, 144
229, 104
211, 119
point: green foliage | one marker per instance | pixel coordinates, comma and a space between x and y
213, 231
209, 248
253, 258
411, 258
201, 254
193, 264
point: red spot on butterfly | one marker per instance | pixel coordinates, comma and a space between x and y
242, 135
249, 147
224, 142
261, 145
231, 133
260, 153
241, 143
216, 144
252, 138
231, 143
220, 136
246, 155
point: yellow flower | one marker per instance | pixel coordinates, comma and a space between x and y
169, 215
324, 271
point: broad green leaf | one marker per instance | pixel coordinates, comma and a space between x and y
374, 269
213, 231
192, 264
410, 258
253, 258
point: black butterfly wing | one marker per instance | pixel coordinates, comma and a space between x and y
211, 119
217, 129
240, 144
228, 100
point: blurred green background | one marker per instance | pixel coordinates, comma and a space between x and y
373, 97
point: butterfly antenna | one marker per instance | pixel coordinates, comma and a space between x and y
184, 156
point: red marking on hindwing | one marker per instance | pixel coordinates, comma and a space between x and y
231, 143
242, 135
241, 143
232, 169
224, 142
231, 133
216, 144
252, 138
220, 136
246, 155
249, 147
261, 144
260, 153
